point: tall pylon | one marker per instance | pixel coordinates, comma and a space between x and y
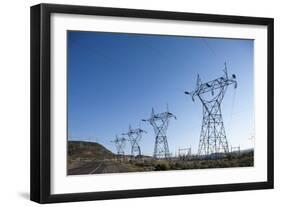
120, 143
134, 136
160, 123
213, 139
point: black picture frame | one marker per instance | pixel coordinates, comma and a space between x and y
41, 98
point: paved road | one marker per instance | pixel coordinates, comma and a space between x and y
93, 167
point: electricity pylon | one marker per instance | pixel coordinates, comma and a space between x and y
213, 139
120, 143
160, 123
134, 136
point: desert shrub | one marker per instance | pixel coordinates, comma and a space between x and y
230, 156
246, 161
140, 164
160, 167
204, 163
179, 165
163, 165
172, 166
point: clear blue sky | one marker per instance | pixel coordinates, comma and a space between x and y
115, 79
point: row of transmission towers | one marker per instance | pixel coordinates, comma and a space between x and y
213, 140
160, 123
133, 136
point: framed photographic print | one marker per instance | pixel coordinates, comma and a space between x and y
133, 103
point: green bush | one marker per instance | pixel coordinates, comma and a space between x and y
163, 165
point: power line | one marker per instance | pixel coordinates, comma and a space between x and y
208, 46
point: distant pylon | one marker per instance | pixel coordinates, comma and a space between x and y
160, 123
213, 137
134, 136
120, 143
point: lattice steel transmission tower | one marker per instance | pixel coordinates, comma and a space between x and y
160, 123
213, 139
134, 136
120, 143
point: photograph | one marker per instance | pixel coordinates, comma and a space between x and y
130, 103
153, 102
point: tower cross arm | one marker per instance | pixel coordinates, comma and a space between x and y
213, 85
163, 115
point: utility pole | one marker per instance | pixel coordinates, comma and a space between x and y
160, 123
213, 137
